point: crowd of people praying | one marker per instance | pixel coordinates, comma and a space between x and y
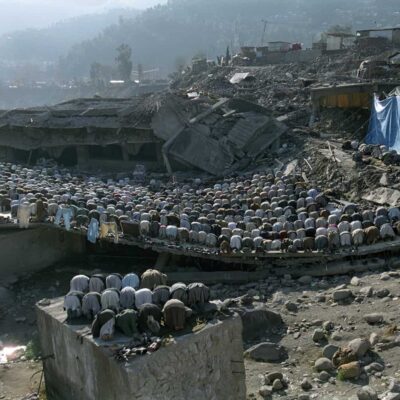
132, 305
256, 213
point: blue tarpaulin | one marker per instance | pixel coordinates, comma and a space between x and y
384, 124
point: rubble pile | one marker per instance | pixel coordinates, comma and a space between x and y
280, 88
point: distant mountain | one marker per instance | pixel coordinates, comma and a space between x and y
48, 44
164, 36
182, 28
23, 14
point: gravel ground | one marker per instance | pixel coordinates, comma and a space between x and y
310, 303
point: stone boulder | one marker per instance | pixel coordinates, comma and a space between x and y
258, 321
265, 391
342, 294
359, 346
329, 351
323, 364
344, 356
318, 335
349, 371
367, 393
266, 352
374, 318
305, 279
272, 376
367, 291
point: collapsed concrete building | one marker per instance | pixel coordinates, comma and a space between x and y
160, 131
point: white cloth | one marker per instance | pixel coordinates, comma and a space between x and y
131, 280
23, 215
96, 284
143, 296
110, 300
90, 305
107, 330
127, 297
113, 281
73, 303
79, 283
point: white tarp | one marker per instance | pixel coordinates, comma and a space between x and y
239, 77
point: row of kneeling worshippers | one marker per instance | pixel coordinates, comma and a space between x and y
99, 282
135, 310
261, 213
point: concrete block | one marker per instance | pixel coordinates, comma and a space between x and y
207, 364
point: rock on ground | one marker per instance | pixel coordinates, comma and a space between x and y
258, 321
359, 346
329, 350
323, 364
265, 351
367, 393
341, 294
349, 371
374, 318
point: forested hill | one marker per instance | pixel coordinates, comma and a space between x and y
182, 28
48, 44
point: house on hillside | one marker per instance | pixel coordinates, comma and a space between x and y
380, 38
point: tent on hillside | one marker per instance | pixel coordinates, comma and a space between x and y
384, 125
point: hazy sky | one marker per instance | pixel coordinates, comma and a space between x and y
21, 14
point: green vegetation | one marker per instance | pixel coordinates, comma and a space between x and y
33, 350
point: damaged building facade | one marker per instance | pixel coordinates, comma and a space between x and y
106, 133
162, 132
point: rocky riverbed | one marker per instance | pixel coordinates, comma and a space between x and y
307, 338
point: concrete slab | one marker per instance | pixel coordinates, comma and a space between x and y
207, 364
383, 195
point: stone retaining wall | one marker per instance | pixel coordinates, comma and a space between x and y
36, 248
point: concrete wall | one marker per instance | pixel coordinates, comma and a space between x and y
307, 55
36, 248
205, 365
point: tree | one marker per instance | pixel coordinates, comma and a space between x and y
124, 62
180, 63
227, 56
95, 72
140, 72
200, 55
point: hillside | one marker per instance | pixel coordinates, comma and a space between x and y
182, 28
48, 44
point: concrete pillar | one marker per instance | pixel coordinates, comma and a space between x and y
125, 154
82, 155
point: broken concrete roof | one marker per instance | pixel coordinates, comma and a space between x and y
214, 137
95, 121
209, 134
81, 113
